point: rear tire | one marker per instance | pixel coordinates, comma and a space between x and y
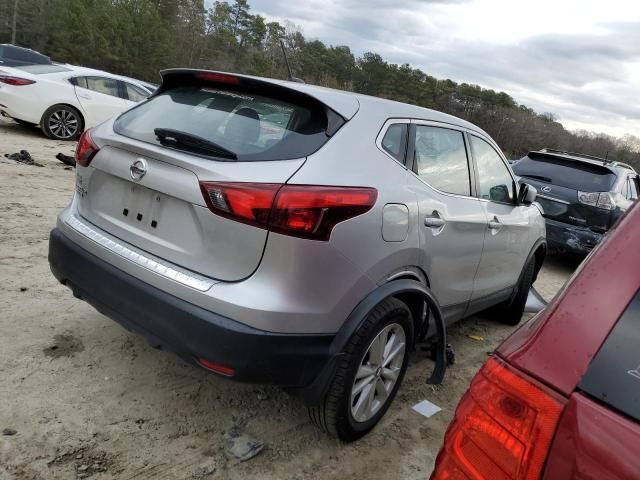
62, 122
511, 312
353, 407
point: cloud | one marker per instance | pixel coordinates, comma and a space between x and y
578, 60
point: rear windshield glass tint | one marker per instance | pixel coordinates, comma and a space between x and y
251, 126
574, 175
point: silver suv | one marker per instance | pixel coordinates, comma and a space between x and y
283, 233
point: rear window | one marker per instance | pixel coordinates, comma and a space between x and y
43, 69
252, 126
574, 175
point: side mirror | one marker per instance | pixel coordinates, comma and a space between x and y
526, 194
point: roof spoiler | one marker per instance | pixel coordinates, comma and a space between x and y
568, 157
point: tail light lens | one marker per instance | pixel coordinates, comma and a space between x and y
502, 428
304, 211
86, 149
602, 200
15, 81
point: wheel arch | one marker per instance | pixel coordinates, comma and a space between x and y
398, 288
65, 104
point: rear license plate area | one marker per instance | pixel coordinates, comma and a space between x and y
141, 206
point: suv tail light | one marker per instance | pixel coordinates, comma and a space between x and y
15, 81
86, 149
304, 211
502, 428
602, 200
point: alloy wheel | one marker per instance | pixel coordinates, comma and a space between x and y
378, 372
63, 124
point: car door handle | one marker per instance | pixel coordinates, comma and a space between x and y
434, 220
494, 224
85, 96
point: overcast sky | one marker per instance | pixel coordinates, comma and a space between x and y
579, 59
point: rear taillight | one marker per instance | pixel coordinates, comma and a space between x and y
602, 200
16, 81
86, 149
305, 211
502, 428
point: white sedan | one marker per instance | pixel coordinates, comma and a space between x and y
65, 100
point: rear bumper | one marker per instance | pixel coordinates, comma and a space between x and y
571, 238
190, 331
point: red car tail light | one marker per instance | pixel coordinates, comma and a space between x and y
305, 211
502, 428
16, 81
86, 149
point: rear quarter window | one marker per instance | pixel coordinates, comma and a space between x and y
252, 126
613, 377
568, 174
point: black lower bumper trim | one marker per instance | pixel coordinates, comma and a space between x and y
186, 329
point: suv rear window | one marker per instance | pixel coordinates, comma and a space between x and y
252, 126
568, 174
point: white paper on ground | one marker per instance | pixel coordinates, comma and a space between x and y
426, 408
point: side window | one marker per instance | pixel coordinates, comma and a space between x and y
80, 81
495, 181
134, 93
633, 188
107, 86
441, 159
395, 141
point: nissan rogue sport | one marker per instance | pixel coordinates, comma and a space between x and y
277, 232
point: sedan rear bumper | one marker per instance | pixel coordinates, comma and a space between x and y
190, 331
571, 238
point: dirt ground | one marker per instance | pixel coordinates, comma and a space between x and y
90, 400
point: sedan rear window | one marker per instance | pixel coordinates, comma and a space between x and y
574, 175
251, 126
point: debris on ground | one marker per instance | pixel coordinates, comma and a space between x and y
23, 289
240, 446
426, 408
23, 157
477, 338
9, 432
66, 159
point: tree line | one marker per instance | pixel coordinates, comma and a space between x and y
138, 38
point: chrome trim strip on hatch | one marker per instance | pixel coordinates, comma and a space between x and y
553, 199
165, 270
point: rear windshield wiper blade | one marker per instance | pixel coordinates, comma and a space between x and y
168, 135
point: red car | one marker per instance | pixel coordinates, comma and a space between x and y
560, 399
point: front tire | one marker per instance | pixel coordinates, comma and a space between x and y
369, 374
62, 122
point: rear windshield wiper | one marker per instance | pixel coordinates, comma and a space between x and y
194, 142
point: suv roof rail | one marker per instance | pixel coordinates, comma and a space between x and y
574, 154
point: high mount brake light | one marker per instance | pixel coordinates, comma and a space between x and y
218, 77
502, 429
15, 81
305, 211
86, 149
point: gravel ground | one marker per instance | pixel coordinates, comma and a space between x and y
87, 399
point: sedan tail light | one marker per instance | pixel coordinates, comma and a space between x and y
502, 428
15, 81
86, 149
602, 200
305, 211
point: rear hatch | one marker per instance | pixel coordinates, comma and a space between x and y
560, 182
144, 184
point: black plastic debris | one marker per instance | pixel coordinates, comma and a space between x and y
23, 157
66, 159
